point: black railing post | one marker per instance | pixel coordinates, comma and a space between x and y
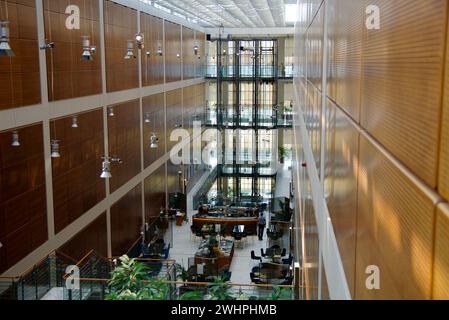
23, 289
35, 283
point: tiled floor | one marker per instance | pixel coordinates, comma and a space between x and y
184, 247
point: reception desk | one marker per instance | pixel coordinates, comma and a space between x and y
250, 223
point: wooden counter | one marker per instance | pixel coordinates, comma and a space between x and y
249, 223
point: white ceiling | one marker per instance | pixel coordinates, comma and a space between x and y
230, 13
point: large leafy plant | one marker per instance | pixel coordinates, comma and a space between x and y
280, 294
129, 275
131, 281
219, 289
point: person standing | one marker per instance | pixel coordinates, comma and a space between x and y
262, 222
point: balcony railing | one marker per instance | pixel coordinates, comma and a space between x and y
249, 71
264, 118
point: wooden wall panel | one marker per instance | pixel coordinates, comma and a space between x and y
174, 114
126, 221
200, 59
315, 50
124, 142
67, 75
394, 229
77, 186
443, 172
152, 62
332, 75
23, 208
173, 180
341, 179
120, 26
155, 194
19, 75
92, 237
441, 262
350, 20
173, 67
188, 55
200, 100
189, 107
154, 109
402, 82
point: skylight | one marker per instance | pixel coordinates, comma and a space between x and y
158, 6
291, 13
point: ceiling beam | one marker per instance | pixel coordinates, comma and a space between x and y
263, 9
275, 31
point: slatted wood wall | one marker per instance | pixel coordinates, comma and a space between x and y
387, 160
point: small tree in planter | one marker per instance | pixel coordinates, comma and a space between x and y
283, 153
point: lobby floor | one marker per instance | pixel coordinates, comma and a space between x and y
184, 247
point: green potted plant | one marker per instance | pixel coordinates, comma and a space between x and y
131, 281
280, 294
283, 153
219, 289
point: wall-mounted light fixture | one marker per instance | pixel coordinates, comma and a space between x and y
130, 51
154, 141
55, 149
5, 48
15, 139
87, 49
147, 118
75, 122
47, 45
106, 169
106, 166
196, 49
140, 40
159, 48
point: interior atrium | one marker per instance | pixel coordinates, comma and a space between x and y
280, 149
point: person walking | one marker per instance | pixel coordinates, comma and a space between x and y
262, 222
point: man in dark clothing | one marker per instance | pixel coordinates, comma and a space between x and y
262, 222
